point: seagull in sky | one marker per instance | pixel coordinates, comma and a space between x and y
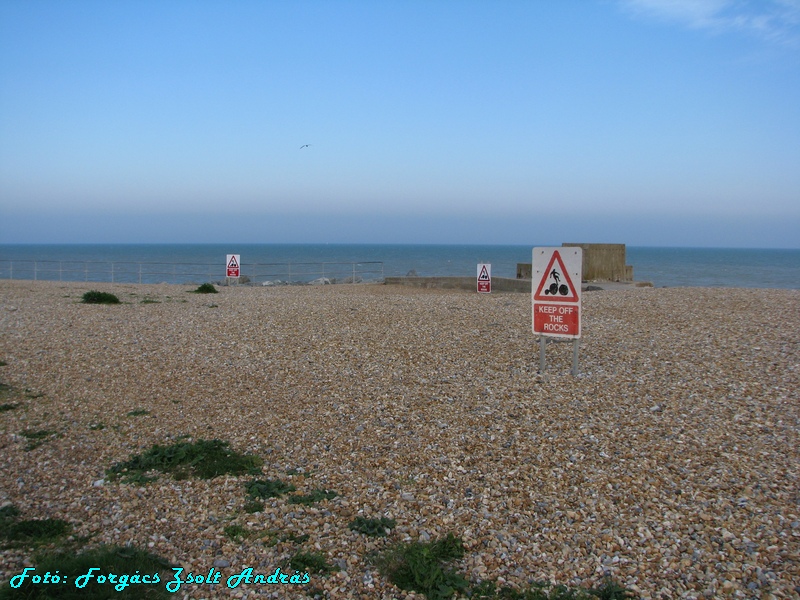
305, 146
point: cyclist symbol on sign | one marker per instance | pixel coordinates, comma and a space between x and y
554, 287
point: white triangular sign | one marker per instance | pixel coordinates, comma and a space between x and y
556, 285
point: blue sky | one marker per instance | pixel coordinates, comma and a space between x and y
646, 122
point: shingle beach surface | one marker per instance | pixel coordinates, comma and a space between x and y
671, 462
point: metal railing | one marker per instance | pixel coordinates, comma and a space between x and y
287, 273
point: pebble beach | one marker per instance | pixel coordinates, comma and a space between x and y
670, 463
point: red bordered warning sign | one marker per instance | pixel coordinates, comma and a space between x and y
556, 293
232, 265
484, 278
556, 284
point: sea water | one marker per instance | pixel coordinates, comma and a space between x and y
670, 267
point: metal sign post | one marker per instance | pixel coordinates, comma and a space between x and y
542, 359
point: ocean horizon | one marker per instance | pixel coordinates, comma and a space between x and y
661, 266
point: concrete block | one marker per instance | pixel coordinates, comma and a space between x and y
604, 262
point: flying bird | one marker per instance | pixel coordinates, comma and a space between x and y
305, 146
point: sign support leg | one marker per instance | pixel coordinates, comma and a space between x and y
542, 342
575, 357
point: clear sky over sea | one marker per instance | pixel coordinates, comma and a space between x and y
646, 122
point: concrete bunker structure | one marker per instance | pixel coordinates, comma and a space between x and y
601, 262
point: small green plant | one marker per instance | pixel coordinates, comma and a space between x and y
9, 406
139, 412
97, 426
313, 497
253, 506
204, 458
372, 527
36, 435
611, 590
311, 562
235, 532
107, 559
3, 363
298, 539
35, 531
422, 567
206, 288
270, 537
8, 513
95, 297
267, 488
36, 438
32, 532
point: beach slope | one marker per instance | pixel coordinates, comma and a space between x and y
671, 462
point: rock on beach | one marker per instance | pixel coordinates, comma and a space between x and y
671, 462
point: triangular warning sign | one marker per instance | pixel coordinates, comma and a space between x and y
484, 276
232, 264
558, 289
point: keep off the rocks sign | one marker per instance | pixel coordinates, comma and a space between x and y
556, 291
484, 278
232, 267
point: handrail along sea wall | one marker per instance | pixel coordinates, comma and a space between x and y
186, 273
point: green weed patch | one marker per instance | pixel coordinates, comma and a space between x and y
253, 506
259, 489
236, 532
30, 532
8, 512
205, 459
311, 562
272, 537
36, 438
35, 531
297, 539
372, 527
122, 561
267, 488
422, 567
95, 297
206, 288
